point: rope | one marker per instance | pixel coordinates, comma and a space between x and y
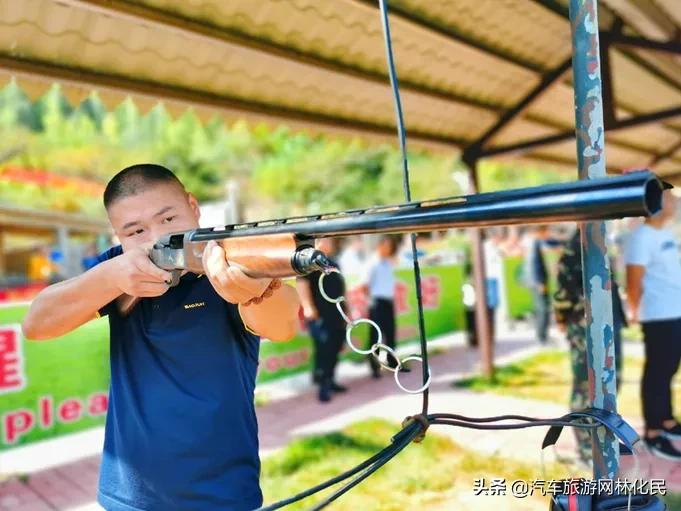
414, 428
399, 441
392, 73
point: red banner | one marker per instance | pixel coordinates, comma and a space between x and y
20, 293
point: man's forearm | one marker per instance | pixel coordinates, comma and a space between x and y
276, 317
63, 307
634, 289
634, 301
305, 295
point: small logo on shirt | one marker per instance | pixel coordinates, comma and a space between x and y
669, 245
194, 305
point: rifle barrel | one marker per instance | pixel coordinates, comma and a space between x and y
635, 194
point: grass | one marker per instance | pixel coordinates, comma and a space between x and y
673, 501
436, 474
547, 377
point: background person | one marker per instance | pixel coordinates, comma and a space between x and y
40, 266
378, 283
324, 323
654, 294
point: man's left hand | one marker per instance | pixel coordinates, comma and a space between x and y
230, 282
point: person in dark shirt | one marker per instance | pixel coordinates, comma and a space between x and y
324, 322
181, 430
571, 318
537, 279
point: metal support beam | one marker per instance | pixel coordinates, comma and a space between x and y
472, 152
631, 122
618, 39
590, 132
555, 6
482, 318
442, 28
669, 153
615, 32
609, 114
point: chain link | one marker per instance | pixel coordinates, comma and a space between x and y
379, 347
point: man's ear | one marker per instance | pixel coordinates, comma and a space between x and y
194, 204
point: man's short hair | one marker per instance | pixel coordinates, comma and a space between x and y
135, 179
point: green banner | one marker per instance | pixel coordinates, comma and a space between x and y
519, 296
48, 388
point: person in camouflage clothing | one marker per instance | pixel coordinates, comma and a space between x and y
571, 318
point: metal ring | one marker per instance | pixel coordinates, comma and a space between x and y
422, 387
342, 313
339, 299
376, 351
348, 335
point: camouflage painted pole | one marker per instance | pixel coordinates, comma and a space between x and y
590, 133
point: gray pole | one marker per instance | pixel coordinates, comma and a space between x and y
590, 133
482, 316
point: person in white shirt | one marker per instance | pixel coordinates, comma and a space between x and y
654, 295
495, 285
378, 283
352, 256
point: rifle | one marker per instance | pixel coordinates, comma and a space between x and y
285, 247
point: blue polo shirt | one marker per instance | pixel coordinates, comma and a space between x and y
181, 430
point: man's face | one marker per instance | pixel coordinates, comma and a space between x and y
543, 232
385, 249
140, 219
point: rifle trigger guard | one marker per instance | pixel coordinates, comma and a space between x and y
174, 278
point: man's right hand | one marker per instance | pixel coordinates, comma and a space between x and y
135, 275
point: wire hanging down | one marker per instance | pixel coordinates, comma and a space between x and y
402, 136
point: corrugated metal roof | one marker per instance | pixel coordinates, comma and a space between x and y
320, 64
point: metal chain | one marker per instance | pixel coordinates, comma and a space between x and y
378, 347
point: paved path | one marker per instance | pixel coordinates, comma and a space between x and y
72, 486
